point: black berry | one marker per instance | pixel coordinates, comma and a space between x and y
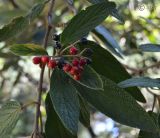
84, 41
61, 63
56, 37
89, 61
88, 52
58, 45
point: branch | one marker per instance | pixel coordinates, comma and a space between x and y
139, 71
15, 5
40, 87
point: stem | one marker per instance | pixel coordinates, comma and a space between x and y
40, 87
28, 104
15, 5
66, 48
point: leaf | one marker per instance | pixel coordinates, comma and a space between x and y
117, 16
96, 1
144, 134
27, 50
105, 36
150, 48
84, 112
9, 115
116, 103
140, 82
90, 79
85, 21
114, 12
65, 100
54, 126
35, 11
18, 24
107, 65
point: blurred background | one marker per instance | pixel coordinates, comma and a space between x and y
19, 77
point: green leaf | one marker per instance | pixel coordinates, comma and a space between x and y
18, 24
150, 48
28, 50
36, 10
84, 112
9, 115
140, 82
90, 79
107, 65
105, 36
85, 21
65, 100
116, 103
114, 12
144, 134
54, 126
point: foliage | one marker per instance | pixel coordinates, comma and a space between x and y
104, 83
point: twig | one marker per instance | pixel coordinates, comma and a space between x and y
15, 5
154, 102
138, 71
40, 87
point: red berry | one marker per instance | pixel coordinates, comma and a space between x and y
77, 77
67, 67
73, 50
75, 62
44, 59
52, 64
82, 62
36, 60
74, 71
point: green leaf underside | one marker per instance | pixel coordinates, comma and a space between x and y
54, 126
27, 50
140, 82
84, 112
18, 24
85, 21
9, 115
65, 100
107, 65
119, 105
90, 79
144, 134
150, 48
105, 36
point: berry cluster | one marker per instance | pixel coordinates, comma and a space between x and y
74, 65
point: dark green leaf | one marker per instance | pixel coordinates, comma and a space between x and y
54, 126
140, 82
9, 115
107, 65
28, 50
96, 1
91, 79
85, 21
18, 24
105, 36
65, 100
144, 134
150, 47
114, 12
116, 103
84, 112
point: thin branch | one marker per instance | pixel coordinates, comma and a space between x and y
138, 71
40, 87
15, 5
154, 102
